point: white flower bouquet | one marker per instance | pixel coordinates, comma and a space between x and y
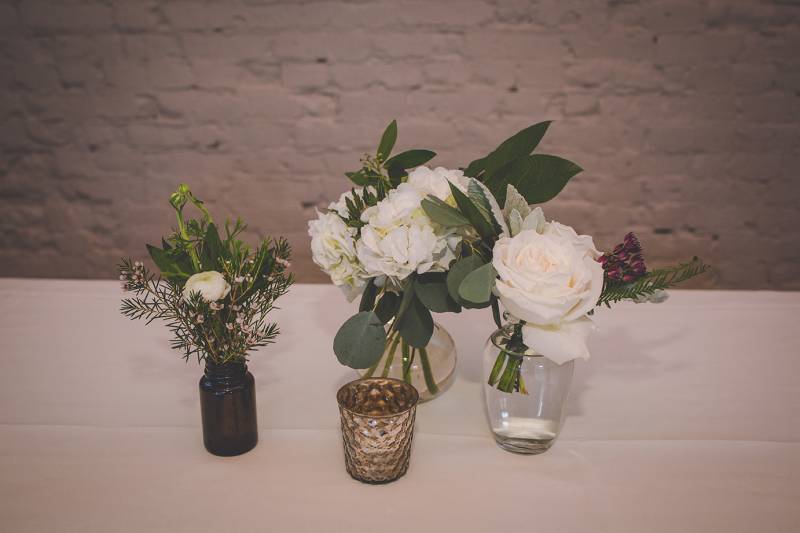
412, 240
213, 290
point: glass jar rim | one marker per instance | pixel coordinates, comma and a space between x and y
503, 332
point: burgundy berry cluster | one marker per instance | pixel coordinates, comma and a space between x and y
625, 263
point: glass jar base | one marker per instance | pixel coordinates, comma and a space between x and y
524, 446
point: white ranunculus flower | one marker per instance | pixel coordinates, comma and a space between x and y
551, 280
333, 249
211, 285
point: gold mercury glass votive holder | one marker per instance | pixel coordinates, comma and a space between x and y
377, 427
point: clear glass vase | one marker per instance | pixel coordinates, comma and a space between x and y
525, 394
430, 370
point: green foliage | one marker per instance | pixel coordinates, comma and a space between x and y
518, 145
651, 282
368, 296
476, 288
458, 272
431, 289
442, 213
225, 330
472, 213
388, 139
415, 325
383, 172
538, 178
387, 306
360, 341
356, 204
478, 197
410, 159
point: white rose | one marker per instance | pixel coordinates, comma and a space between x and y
211, 285
333, 250
551, 280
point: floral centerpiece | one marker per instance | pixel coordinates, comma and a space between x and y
215, 294
394, 239
549, 280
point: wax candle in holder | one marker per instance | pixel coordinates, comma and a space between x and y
377, 417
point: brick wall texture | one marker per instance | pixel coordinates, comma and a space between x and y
684, 113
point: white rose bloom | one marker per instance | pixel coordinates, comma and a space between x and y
333, 250
211, 285
551, 280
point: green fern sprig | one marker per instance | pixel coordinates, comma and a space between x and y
651, 282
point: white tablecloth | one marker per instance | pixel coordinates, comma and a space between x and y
687, 418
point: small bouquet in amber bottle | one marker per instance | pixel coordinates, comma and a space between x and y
215, 294
214, 291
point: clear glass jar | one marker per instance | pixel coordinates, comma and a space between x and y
430, 370
525, 394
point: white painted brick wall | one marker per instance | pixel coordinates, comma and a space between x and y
685, 114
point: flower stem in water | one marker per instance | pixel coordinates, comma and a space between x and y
427, 372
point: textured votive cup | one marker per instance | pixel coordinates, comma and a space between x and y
377, 427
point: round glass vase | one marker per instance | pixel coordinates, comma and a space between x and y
228, 408
430, 370
525, 394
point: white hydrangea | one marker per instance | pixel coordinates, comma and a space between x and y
333, 249
399, 238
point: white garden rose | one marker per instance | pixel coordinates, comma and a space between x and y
333, 250
211, 285
551, 280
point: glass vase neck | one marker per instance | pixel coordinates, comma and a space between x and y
502, 336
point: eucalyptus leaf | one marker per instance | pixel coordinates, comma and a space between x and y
387, 140
360, 341
368, 296
416, 324
386, 307
442, 213
477, 286
459, 271
410, 159
431, 289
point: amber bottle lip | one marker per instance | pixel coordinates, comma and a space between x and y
412, 390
